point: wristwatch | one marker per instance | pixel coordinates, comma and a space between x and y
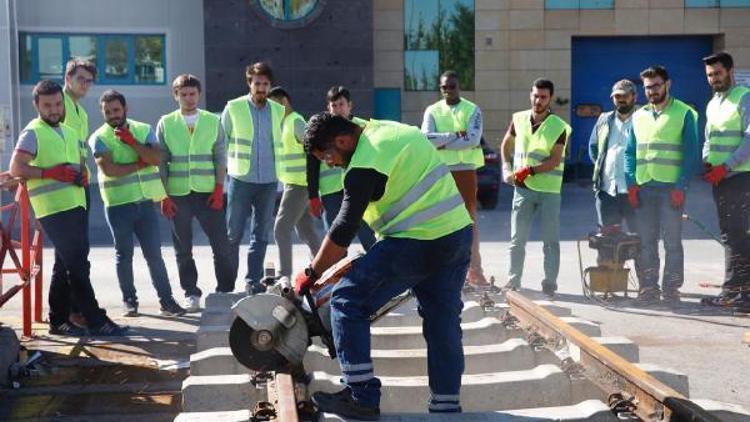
310, 272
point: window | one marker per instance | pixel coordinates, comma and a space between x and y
438, 36
121, 59
579, 4
289, 13
717, 3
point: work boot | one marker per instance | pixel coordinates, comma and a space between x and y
648, 295
67, 329
343, 404
170, 308
549, 290
670, 296
727, 298
77, 319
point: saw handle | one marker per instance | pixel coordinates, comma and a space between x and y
326, 336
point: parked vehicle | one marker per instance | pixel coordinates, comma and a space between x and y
489, 177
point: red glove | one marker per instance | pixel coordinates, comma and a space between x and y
84, 177
302, 282
522, 174
125, 136
168, 208
61, 173
316, 207
461, 133
216, 200
716, 174
677, 198
633, 196
141, 164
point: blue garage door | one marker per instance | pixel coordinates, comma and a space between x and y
598, 62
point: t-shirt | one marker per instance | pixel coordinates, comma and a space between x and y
27, 141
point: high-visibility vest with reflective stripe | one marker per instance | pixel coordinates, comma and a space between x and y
50, 196
602, 133
191, 164
456, 120
292, 161
533, 148
144, 184
240, 141
420, 200
331, 179
724, 128
77, 119
658, 154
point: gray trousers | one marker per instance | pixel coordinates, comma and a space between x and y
293, 215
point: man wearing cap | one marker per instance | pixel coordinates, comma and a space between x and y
607, 151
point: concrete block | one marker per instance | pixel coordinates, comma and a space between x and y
591, 410
586, 327
215, 361
511, 355
668, 376
209, 336
543, 386
727, 412
665, 21
8, 353
244, 415
483, 332
526, 19
212, 393
406, 315
623, 346
217, 317
222, 300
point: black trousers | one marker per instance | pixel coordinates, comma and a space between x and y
68, 233
213, 223
732, 198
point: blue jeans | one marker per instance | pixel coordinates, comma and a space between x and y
656, 218
435, 270
139, 219
243, 201
332, 205
67, 232
526, 204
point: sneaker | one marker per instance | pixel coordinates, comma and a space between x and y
170, 308
109, 329
648, 295
511, 286
343, 404
77, 319
67, 329
130, 309
549, 290
192, 304
670, 296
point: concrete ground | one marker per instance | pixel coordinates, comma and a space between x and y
704, 344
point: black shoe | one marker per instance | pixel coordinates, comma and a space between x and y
549, 290
724, 299
670, 296
170, 308
67, 329
109, 329
510, 286
254, 288
343, 404
649, 295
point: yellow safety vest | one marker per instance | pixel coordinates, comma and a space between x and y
724, 128
533, 148
456, 120
144, 184
240, 141
292, 162
421, 200
331, 179
191, 163
49, 196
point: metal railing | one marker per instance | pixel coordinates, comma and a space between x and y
29, 266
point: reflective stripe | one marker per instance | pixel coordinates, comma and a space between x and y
194, 158
178, 173
537, 156
356, 367
426, 214
445, 407
555, 172
722, 148
411, 196
445, 397
661, 161
358, 378
295, 169
131, 178
292, 156
56, 185
725, 133
179, 159
195, 172
240, 155
241, 141
656, 146
330, 172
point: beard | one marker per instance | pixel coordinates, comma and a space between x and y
723, 85
117, 122
657, 98
625, 108
52, 120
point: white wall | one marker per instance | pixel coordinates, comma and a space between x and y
180, 20
7, 85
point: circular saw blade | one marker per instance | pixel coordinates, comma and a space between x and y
241, 344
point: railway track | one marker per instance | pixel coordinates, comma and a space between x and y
524, 359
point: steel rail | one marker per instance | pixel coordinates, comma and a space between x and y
651, 399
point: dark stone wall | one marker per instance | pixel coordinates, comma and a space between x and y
333, 49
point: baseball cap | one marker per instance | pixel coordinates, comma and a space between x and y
623, 86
